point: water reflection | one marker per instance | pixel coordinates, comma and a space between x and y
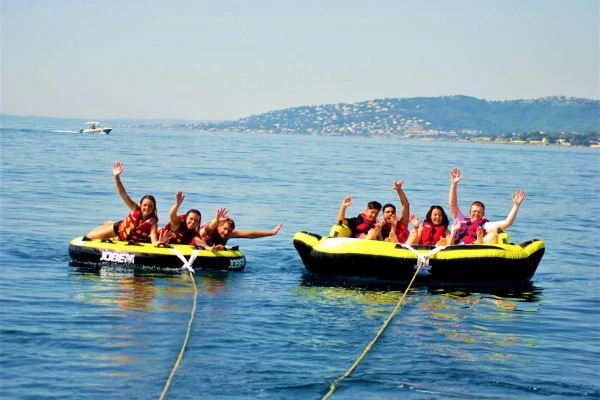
474, 323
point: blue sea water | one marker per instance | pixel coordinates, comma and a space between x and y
274, 331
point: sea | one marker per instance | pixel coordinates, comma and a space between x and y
273, 330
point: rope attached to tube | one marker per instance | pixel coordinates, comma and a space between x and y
423, 259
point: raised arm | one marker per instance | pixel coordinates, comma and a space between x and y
117, 170
209, 228
342, 214
455, 177
517, 200
175, 221
255, 234
405, 212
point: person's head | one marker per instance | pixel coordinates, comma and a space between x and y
192, 219
372, 211
388, 210
477, 211
437, 216
148, 206
225, 228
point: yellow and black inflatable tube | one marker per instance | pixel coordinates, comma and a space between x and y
146, 254
460, 263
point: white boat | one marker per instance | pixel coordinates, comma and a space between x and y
94, 127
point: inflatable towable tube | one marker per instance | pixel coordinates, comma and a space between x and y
344, 256
101, 251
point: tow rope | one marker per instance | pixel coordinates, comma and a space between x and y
423, 259
187, 264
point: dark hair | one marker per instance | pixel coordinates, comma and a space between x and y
445, 220
151, 198
389, 205
374, 205
479, 204
193, 211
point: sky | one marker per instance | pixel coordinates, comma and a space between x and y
225, 60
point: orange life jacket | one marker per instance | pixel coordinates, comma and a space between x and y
133, 229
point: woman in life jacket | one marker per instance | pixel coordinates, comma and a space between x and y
181, 229
141, 225
434, 230
217, 232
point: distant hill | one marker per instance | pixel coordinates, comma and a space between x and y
447, 115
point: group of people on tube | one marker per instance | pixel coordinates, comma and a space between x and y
435, 230
141, 225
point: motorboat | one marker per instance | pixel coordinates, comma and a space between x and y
94, 127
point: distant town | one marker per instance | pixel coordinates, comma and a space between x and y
547, 121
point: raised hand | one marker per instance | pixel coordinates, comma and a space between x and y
347, 202
398, 185
455, 175
414, 220
277, 228
518, 197
117, 168
179, 197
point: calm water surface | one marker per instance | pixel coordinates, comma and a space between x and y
273, 330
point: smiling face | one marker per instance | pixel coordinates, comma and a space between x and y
372, 214
192, 221
224, 230
477, 212
148, 206
436, 217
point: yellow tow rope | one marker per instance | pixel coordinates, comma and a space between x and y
187, 335
368, 348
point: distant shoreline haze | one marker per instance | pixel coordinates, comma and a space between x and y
555, 120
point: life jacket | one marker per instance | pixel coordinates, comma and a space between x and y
431, 234
363, 227
401, 231
133, 229
212, 240
468, 230
183, 235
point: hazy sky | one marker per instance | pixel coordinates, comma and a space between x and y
225, 59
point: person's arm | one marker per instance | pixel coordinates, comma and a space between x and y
455, 226
517, 200
155, 239
205, 246
209, 228
415, 234
393, 237
405, 211
175, 220
342, 214
255, 234
117, 170
452, 197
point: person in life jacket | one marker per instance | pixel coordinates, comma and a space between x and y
181, 229
217, 232
434, 230
141, 225
365, 225
394, 228
475, 228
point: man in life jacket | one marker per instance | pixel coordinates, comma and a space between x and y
394, 228
181, 229
365, 225
217, 232
475, 228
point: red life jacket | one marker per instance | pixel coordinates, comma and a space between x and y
364, 227
133, 229
181, 235
431, 234
468, 230
401, 231
212, 240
